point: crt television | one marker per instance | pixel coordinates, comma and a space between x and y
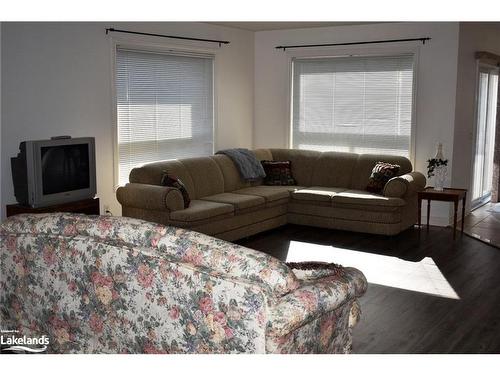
53, 171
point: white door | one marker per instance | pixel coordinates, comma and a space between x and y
486, 110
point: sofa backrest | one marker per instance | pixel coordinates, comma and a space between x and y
338, 169
206, 176
263, 154
216, 174
302, 162
231, 175
82, 279
152, 173
182, 246
366, 162
334, 169
202, 176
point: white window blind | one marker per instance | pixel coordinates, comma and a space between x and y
353, 104
164, 107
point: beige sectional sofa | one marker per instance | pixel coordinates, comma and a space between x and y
330, 193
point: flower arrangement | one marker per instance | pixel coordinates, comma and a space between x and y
434, 163
437, 166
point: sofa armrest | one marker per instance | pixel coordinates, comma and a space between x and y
150, 197
404, 185
313, 299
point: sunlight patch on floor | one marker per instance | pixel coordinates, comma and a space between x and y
422, 277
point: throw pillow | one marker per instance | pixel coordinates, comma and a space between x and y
172, 181
381, 173
278, 173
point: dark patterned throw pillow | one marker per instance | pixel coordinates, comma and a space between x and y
381, 173
173, 181
278, 173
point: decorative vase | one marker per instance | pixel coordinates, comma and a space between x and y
441, 171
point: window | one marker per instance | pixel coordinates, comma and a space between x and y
164, 107
486, 115
353, 104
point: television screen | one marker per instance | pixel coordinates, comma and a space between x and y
65, 168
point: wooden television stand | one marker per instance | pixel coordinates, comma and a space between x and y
85, 206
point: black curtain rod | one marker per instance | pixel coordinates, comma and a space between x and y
423, 40
167, 36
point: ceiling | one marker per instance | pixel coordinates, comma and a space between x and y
265, 26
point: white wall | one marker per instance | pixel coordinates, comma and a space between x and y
436, 82
473, 37
57, 81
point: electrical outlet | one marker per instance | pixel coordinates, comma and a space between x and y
107, 211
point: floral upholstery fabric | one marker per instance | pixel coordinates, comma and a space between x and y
100, 284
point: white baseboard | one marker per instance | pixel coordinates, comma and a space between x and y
439, 221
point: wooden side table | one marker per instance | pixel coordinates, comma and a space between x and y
85, 206
446, 195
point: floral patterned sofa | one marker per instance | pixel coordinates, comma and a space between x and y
102, 284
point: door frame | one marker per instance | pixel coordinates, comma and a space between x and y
481, 67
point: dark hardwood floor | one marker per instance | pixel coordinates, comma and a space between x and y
426, 294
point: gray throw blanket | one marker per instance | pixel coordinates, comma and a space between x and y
248, 165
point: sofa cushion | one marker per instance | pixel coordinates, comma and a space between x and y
200, 210
382, 214
368, 214
292, 188
303, 163
316, 193
263, 154
334, 169
239, 201
362, 197
206, 174
244, 222
269, 193
232, 178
